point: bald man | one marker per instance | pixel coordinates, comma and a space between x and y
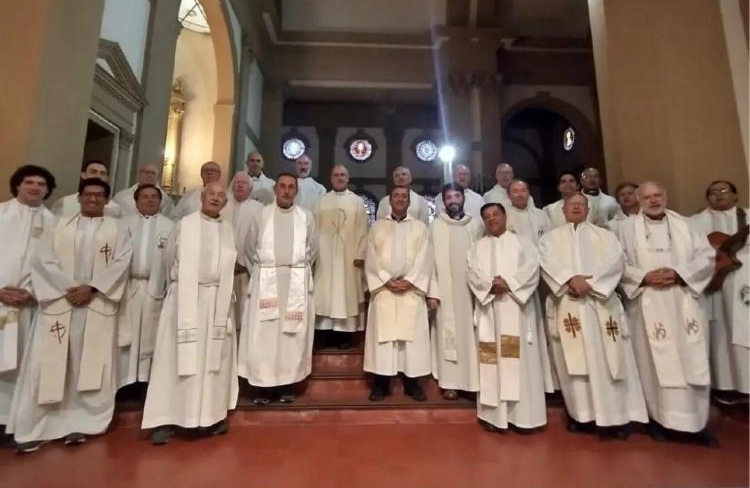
191, 201
148, 174
418, 207
504, 175
473, 201
262, 184
602, 207
667, 267
309, 190
194, 371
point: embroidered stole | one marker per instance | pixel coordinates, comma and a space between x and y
294, 319
567, 313
220, 325
499, 326
678, 349
55, 317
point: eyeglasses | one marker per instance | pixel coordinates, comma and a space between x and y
92, 195
719, 191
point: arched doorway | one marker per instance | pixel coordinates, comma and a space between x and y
544, 136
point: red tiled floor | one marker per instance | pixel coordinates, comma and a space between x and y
392, 455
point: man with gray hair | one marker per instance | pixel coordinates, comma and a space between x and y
191, 201
309, 189
523, 217
473, 201
667, 268
500, 193
418, 207
148, 174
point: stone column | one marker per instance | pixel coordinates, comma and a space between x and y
247, 58
326, 152
158, 67
666, 97
394, 137
271, 122
50, 49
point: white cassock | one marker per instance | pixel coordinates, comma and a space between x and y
126, 201
498, 194
590, 338
512, 345
454, 342
530, 223
342, 232
473, 202
194, 369
277, 328
68, 206
241, 214
668, 325
602, 208
398, 332
67, 381
21, 226
309, 193
418, 207
189, 203
728, 310
262, 189
144, 296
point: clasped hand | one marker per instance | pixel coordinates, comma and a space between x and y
80, 296
661, 278
12, 296
398, 285
578, 287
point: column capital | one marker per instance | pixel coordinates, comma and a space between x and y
462, 81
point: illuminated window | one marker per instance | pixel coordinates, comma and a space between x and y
569, 139
293, 148
426, 150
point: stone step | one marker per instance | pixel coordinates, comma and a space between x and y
336, 387
337, 364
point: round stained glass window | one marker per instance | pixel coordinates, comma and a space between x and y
360, 149
569, 138
293, 148
426, 150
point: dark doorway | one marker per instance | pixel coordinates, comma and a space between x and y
99, 144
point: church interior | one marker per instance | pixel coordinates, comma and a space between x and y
638, 89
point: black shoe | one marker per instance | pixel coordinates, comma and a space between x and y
705, 438
576, 427
161, 435
657, 432
619, 432
219, 428
489, 427
413, 389
74, 439
261, 400
377, 393
29, 447
287, 398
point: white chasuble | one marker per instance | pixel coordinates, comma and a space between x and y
530, 222
511, 369
68, 374
668, 325
602, 208
454, 348
398, 336
279, 318
144, 296
590, 339
193, 380
22, 226
189, 202
342, 228
309, 192
728, 309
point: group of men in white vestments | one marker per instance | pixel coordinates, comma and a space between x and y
602, 299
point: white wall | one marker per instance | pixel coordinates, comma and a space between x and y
195, 64
126, 23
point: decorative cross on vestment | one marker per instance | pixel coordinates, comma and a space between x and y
612, 329
59, 329
107, 251
572, 325
691, 326
660, 332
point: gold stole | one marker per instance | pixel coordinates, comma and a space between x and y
220, 325
499, 325
99, 332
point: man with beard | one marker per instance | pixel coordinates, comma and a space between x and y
309, 189
473, 201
